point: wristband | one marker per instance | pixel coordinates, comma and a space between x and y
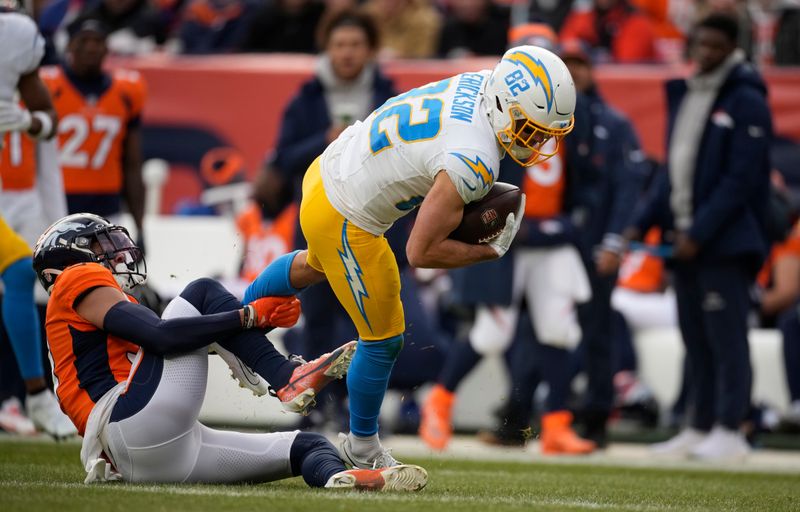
248, 317
46, 131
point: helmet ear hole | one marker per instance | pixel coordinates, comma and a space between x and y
499, 105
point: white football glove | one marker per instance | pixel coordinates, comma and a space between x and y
502, 242
13, 118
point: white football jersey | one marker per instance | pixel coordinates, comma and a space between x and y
21, 51
382, 168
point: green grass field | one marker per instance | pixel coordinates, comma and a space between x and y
38, 476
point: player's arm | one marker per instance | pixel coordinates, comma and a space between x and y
108, 309
38, 118
786, 285
132, 170
36, 96
439, 214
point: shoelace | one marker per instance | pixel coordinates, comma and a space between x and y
384, 459
297, 359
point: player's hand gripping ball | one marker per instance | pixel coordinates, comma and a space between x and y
485, 219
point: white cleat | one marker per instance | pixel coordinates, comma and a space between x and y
247, 378
405, 477
44, 411
13, 420
722, 444
380, 459
681, 444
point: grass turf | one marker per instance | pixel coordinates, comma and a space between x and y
48, 476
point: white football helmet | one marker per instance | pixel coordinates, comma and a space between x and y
532, 99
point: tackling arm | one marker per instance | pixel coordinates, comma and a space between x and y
107, 308
439, 214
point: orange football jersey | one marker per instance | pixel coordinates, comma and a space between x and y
789, 247
92, 130
264, 240
87, 361
642, 272
544, 187
17, 161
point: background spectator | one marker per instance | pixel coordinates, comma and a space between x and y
536, 34
606, 168
615, 29
474, 27
736, 9
552, 12
134, 26
669, 40
408, 28
214, 26
715, 200
284, 26
787, 34
347, 86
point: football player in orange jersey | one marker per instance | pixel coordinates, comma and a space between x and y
98, 135
133, 383
22, 50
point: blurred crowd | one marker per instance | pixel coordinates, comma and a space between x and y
623, 31
589, 270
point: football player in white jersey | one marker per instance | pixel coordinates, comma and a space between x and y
22, 50
438, 148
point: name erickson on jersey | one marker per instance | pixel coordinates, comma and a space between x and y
465, 99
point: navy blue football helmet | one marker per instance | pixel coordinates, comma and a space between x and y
88, 238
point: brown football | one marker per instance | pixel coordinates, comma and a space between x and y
485, 219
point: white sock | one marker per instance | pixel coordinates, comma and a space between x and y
364, 446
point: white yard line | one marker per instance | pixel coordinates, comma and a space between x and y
418, 499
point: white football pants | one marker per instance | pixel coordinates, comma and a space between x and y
646, 310
164, 442
553, 281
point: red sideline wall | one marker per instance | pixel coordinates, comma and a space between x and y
241, 98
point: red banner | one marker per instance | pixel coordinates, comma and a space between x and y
240, 99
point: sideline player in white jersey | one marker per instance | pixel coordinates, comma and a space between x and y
437, 147
21, 50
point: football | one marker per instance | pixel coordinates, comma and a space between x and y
485, 219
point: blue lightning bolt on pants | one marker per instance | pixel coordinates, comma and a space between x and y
363, 274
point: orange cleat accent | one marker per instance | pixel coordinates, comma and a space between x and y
309, 378
559, 438
436, 427
405, 477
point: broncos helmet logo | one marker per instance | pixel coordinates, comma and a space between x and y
536, 70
